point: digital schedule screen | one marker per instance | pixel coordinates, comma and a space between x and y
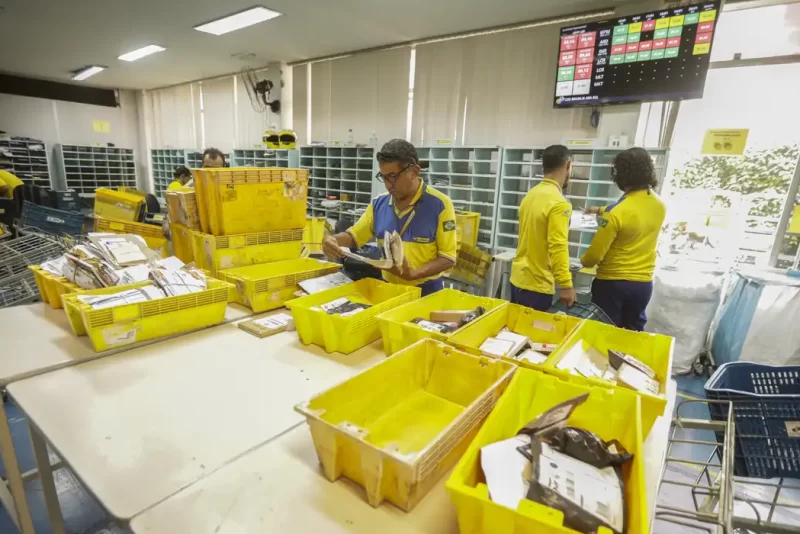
663, 55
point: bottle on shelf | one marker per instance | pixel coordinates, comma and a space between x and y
373, 139
350, 141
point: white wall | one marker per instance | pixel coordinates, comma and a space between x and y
55, 121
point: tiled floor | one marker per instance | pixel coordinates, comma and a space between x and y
83, 515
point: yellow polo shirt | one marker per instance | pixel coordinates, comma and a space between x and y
543, 252
175, 185
6, 178
427, 227
624, 247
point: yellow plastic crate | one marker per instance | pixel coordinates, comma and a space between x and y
314, 233
654, 350
611, 414
396, 428
133, 323
347, 334
269, 285
39, 278
182, 208
72, 304
152, 234
182, 242
467, 225
118, 205
246, 199
398, 332
540, 327
52, 288
216, 253
472, 265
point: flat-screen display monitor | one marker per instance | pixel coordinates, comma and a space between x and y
663, 55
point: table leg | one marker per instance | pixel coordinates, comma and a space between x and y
46, 477
14, 501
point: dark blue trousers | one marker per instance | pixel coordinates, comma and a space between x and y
431, 286
531, 299
623, 301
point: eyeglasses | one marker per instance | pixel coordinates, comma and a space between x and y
392, 178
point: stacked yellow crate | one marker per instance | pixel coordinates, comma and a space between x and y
119, 212
239, 217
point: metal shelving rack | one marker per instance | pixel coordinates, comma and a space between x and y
470, 176
266, 157
590, 185
27, 161
85, 168
194, 158
343, 172
163, 162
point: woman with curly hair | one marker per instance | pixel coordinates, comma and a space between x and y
624, 247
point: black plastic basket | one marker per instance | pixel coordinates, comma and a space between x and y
51, 220
766, 411
587, 310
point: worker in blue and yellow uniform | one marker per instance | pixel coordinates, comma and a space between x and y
180, 177
422, 216
543, 253
624, 247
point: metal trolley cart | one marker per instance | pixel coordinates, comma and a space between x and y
707, 495
17, 284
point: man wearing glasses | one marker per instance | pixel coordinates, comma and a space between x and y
422, 216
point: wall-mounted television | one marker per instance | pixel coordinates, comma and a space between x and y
663, 55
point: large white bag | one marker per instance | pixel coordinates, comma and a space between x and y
759, 320
683, 306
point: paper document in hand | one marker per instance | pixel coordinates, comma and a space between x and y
581, 221
392, 249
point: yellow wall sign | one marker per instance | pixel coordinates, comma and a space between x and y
101, 126
794, 226
725, 142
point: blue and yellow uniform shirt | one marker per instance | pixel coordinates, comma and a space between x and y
624, 247
175, 185
427, 227
543, 253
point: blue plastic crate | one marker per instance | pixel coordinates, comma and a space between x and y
51, 220
766, 411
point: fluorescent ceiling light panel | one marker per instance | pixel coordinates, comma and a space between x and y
237, 21
84, 73
142, 52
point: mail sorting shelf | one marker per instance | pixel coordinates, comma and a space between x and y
85, 168
345, 173
470, 176
590, 185
265, 157
26, 159
163, 162
194, 159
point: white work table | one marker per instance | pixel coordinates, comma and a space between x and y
279, 487
37, 339
139, 426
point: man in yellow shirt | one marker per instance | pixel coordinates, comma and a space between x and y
422, 216
543, 253
8, 182
180, 177
624, 247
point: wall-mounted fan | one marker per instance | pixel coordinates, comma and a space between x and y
258, 91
